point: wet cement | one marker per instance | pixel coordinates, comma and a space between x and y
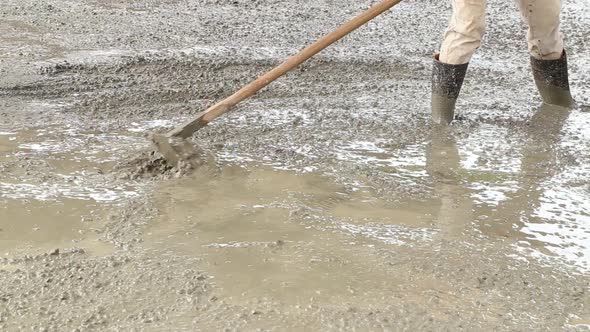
328, 202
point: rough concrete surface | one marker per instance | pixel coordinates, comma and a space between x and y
326, 202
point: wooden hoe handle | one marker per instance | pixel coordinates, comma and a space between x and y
203, 118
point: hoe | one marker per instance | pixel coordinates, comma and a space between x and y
173, 145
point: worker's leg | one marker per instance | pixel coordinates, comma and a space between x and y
545, 43
544, 37
465, 31
462, 38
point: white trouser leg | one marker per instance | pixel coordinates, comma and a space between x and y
544, 37
465, 31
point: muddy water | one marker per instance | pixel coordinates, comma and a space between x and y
298, 238
302, 238
53, 190
288, 236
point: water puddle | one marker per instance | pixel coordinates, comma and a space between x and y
560, 216
406, 164
292, 237
301, 237
62, 163
530, 185
55, 185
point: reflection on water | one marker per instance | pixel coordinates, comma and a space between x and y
533, 200
406, 164
526, 185
301, 237
495, 184
53, 184
529, 185
552, 206
58, 163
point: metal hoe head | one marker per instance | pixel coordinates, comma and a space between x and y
174, 149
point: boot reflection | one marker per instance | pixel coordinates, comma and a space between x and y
539, 163
443, 164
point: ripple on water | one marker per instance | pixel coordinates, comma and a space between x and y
562, 217
68, 189
491, 160
407, 164
55, 163
515, 175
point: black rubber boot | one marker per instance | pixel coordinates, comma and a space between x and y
552, 81
447, 80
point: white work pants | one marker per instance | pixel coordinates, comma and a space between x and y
467, 27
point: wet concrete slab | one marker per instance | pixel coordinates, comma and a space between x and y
329, 202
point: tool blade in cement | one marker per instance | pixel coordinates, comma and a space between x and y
174, 149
